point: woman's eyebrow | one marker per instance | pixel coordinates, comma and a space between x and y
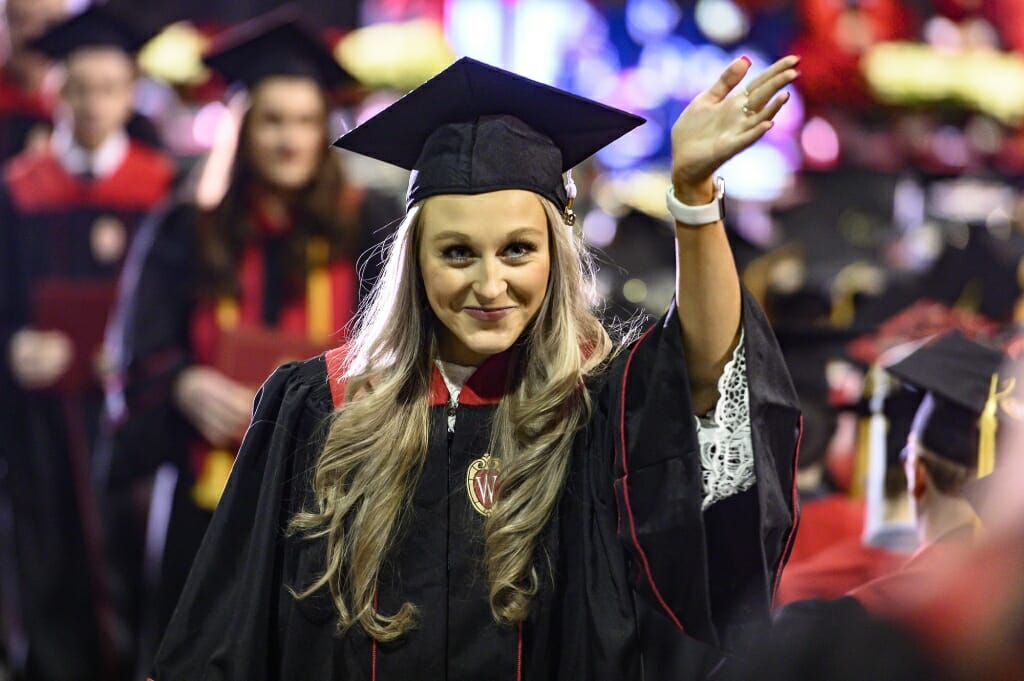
462, 236
525, 231
450, 234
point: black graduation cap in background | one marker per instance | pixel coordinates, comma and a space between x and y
475, 128
808, 349
279, 43
956, 375
97, 26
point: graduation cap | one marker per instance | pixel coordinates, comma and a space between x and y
958, 417
807, 352
97, 26
475, 128
279, 43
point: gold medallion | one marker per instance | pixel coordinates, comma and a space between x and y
482, 483
108, 239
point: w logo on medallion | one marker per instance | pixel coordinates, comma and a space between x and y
482, 483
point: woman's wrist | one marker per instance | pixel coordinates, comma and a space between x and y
694, 193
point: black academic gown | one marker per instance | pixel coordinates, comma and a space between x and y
642, 584
23, 116
152, 338
58, 228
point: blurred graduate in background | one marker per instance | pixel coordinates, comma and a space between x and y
215, 299
26, 103
68, 213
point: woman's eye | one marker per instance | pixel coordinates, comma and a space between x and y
519, 249
456, 254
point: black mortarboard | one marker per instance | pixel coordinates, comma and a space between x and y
97, 26
279, 43
475, 128
956, 375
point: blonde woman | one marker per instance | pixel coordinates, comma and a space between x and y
481, 484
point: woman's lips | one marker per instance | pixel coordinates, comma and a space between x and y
487, 314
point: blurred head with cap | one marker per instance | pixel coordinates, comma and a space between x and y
953, 435
486, 246
289, 73
26, 20
98, 47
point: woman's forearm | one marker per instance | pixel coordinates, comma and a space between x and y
708, 295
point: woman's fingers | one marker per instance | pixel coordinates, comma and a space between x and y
772, 71
759, 96
747, 138
730, 78
769, 112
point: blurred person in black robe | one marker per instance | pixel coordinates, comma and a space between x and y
214, 299
959, 620
26, 105
67, 216
470, 527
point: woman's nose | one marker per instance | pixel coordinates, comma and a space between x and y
490, 280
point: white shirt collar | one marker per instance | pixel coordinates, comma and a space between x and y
455, 377
102, 162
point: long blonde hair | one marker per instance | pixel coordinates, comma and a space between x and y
377, 440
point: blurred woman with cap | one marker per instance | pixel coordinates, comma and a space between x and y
481, 483
215, 298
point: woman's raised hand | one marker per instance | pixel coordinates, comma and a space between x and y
720, 123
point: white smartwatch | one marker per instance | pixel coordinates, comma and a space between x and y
695, 216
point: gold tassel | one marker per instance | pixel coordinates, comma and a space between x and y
216, 466
989, 423
227, 312
861, 457
318, 291
213, 477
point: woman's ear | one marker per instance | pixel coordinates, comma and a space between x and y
921, 480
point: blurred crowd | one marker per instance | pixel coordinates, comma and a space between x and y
146, 290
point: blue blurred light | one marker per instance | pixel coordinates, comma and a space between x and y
474, 28
599, 228
648, 20
669, 59
642, 89
597, 74
701, 70
634, 147
761, 173
721, 20
555, 24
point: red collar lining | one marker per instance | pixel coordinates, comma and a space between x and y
485, 387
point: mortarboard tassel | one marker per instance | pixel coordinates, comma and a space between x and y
318, 291
988, 424
871, 430
570, 193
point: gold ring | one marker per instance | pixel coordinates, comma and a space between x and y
747, 111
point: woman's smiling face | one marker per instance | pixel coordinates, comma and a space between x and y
485, 263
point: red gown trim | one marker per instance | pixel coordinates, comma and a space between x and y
39, 183
13, 99
625, 490
485, 387
795, 505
